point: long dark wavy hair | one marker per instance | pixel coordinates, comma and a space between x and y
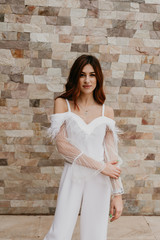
72, 87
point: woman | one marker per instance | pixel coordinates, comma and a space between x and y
86, 136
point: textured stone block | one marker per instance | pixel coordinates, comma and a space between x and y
9, 36
65, 38
36, 2
6, 94
35, 62
2, 102
55, 87
23, 36
64, 12
148, 99
1, 17
147, 8
17, 78
79, 39
51, 20
55, 162
19, 133
63, 21
3, 162
134, 7
151, 75
40, 46
21, 2
54, 71
46, 63
79, 13
40, 118
4, 204
48, 11
93, 48
17, 53
150, 156
44, 54
75, 21
59, 64
14, 45
121, 6
93, 13
156, 26
120, 32
30, 169
107, 15
34, 102
141, 34
139, 75
6, 57
143, 25
154, 34
120, 41
44, 37
28, 28
79, 48
152, 1
50, 190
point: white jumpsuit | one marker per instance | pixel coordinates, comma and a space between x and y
92, 194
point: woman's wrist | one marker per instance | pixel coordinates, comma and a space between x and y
117, 196
103, 168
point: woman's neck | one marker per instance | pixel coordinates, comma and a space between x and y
86, 100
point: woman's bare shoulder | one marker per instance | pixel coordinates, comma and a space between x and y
109, 112
60, 105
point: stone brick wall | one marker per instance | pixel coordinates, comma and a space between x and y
39, 39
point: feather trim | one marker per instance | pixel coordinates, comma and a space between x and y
56, 122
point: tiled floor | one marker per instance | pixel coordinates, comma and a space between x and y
35, 227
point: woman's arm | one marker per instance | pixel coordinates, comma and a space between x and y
73, 155
111, 153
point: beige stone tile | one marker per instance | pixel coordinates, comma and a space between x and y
37, 2
44, 225
33, 227
46, 222
76, 232
130, 228
18, 226
154, 224
17, 238
6, 57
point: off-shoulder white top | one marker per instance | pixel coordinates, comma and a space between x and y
87, 146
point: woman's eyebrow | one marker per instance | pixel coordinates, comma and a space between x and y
89, 72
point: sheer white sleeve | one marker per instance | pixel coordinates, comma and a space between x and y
111, 153
83, 166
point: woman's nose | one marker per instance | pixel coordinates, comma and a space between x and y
87, 78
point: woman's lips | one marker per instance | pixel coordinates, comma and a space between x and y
87, 86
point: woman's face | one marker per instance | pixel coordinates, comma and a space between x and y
87, 79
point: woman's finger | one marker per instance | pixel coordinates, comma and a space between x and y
111, 211
116, 216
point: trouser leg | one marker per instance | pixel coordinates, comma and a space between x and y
67, 209
95, 210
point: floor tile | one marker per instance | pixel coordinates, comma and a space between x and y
18, 226
154, 224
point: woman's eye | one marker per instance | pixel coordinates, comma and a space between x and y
84, 75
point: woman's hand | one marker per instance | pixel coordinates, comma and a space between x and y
116, 207
112, 170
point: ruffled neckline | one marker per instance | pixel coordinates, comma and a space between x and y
87, 124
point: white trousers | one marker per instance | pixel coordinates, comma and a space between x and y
92, 196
